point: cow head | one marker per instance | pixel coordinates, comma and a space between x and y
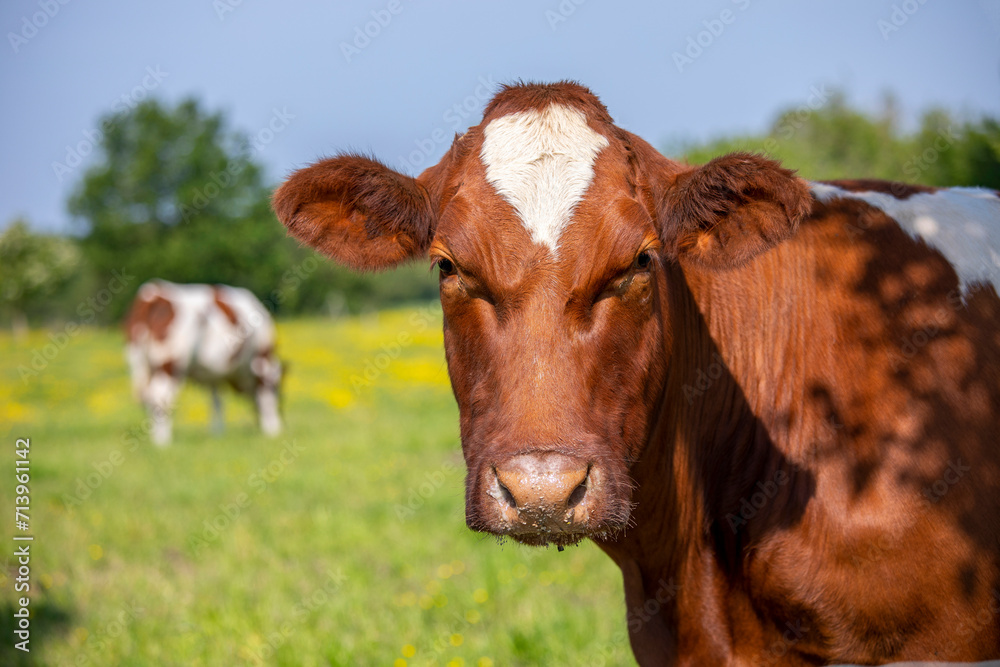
554, 233
269, 375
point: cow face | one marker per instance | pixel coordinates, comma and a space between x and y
553, 232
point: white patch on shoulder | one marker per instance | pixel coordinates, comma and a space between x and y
542, 163
963, 224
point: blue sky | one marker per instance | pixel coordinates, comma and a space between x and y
425, 69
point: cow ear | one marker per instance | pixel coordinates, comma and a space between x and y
358, 212
732, 209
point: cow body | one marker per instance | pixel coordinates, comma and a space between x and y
773, 403
830, 432
212, 334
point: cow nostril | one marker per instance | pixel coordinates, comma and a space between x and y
576, 497
545, 484
507, 495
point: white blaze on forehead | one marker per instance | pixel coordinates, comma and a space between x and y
542, 162
963, 224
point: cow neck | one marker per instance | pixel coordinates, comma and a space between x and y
743, 352
726, 425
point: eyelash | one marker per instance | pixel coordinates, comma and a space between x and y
642, 262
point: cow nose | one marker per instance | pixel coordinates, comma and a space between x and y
545, 491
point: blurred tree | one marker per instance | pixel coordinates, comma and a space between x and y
947, 151
832, 140
176, 195
33, 267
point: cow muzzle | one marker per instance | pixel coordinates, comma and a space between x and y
542, 497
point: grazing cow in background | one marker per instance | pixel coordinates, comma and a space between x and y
212, 334
774, 403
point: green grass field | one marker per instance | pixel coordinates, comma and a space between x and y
343, 542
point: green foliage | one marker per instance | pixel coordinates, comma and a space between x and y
33, 267
971, 153
835, 141
176, 195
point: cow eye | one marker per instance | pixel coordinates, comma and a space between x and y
643, 260
446, 266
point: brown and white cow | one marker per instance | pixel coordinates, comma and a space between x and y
773, 403
212, 334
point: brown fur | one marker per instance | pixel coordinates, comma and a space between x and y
808, 361
897, 190
369, 217
154, 314
732, 209
223, 306
518, 98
